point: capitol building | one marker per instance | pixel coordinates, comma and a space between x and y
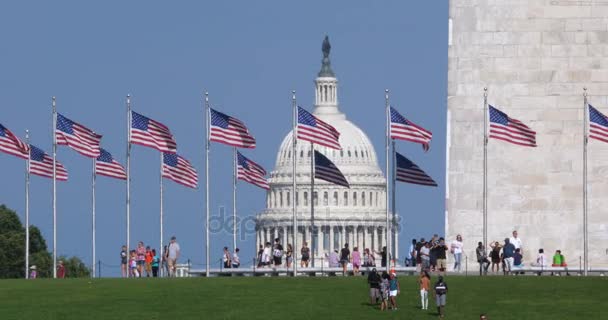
355, 215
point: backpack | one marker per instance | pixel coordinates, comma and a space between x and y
440, 288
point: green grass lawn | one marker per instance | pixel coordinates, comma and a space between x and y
521, 298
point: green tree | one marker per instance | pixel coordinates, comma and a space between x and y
12, 247
75, 268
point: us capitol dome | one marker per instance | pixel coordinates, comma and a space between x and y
355, 215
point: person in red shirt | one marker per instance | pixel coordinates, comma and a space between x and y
60, 270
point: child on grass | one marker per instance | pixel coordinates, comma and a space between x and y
394, 290
384, 291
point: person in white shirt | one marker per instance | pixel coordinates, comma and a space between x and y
456, 249
541, 260
266, 255
516, 241
425, 257
173, 255
236, 261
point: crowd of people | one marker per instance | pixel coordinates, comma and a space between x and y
271, 255
142, 259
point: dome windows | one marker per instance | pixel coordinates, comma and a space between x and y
335, 202
345, 198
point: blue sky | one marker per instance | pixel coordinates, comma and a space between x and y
249, 56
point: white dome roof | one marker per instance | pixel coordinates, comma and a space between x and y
357, 160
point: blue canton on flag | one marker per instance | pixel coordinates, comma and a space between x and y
312, 129
502, 127
105, 165
251, 172
228, 130
10, 144
82, 139
41, 164
598, 125
179, 170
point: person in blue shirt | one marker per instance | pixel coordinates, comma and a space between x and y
508, 251
155, 263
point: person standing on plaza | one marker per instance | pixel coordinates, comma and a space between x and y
124, 261
155, 263
148, 261
344, 258
173, 256
425, 257
226, 258
60, 270
440, 251
356, 260
425, 285
508, 252
495, 255
482, 258
266, 255
441, 292
165, 260
410, 259
236, 261
277, 253
260, 254
456, 248
419, 245
141, 257
288, 256
304, 255
516, 241
434, 243
383, 257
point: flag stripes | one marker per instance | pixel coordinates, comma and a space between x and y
78, 137
228, 130
403, 129
179, 170
11, 144
409, 172
327, 170
150, 133
310, 128
105, 165
41, 164
502, 127
598, 125
251, 172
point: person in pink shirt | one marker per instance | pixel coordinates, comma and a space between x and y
356, 260
141, 258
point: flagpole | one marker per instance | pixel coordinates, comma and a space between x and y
294, 138
207, 145
27, 207
234, 200
585, 203
54, 189
161, 207
128, 200
313, 232
387, 147
393, 201
485, 167
93, 216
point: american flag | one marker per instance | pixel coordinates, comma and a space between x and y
41, 164
327, 170
179, 170
10, 144
310, 128
231, 131
150, 133
598, 125
251, 172
78, 137
502, 127
403, 129
409, 172
105, 165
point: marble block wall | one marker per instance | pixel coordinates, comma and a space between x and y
535, 57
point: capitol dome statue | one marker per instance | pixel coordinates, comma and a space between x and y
355, 215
